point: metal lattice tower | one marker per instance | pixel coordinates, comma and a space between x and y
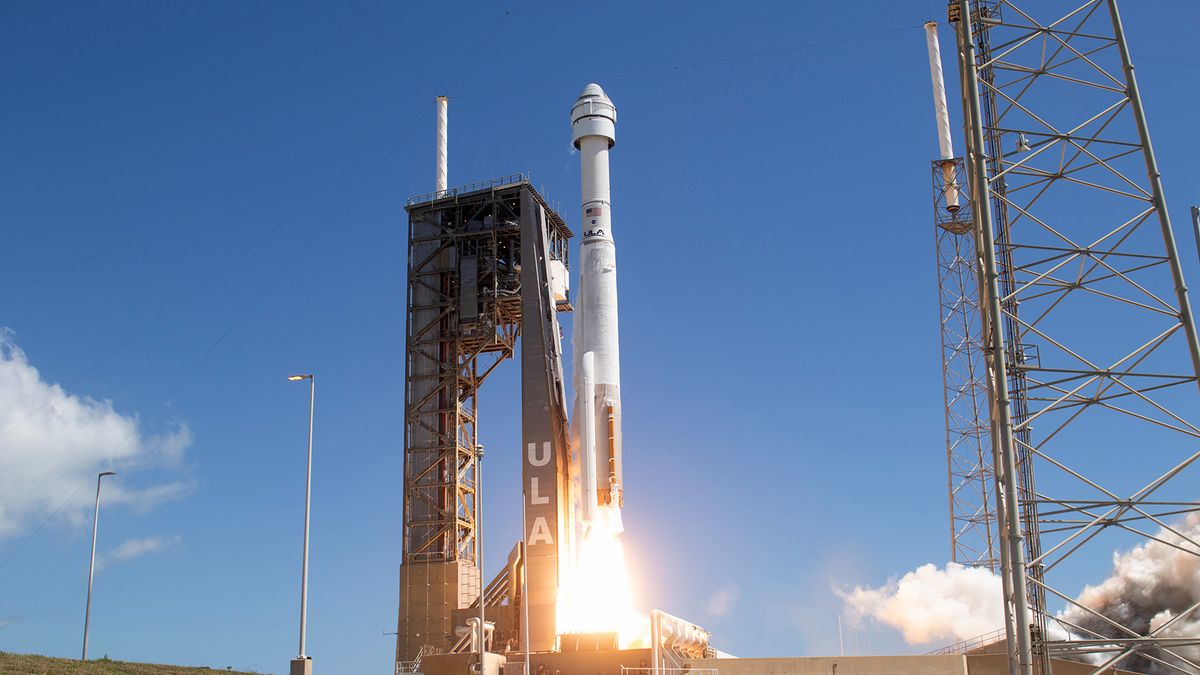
964, 376
1088, 332
464, 319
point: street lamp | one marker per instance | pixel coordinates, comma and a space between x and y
302, 664
87, 613
479, 549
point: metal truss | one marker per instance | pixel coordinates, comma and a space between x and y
463, 321
1088, 332
964, 376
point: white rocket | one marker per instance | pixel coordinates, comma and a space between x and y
597, 380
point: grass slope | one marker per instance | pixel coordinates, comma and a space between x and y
32, 664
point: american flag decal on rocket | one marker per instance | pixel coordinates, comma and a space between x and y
592, 211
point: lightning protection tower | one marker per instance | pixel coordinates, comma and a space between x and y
1088, 335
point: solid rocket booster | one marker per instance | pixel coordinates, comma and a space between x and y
597, 357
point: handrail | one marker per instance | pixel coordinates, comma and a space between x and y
499, 181
414, 666
971, 644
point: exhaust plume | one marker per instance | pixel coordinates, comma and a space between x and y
930, 604
1152, 588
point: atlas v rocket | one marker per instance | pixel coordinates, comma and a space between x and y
597, 381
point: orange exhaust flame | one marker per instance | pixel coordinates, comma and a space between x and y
596, 598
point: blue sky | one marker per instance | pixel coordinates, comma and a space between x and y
201, 198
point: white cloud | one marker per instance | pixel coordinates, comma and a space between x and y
136, 548
6, 621
931, 604
53, 442
723, 600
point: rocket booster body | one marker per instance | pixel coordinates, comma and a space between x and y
597, 377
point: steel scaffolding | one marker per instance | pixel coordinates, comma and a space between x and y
1088, 332
964, 375
464, 320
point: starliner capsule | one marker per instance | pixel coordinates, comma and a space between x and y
597, 378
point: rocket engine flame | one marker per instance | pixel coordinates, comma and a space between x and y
596, 597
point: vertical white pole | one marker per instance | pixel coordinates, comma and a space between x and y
941, 113
440, 177
655, 640
525, 581
312, 398
841, 642
87, 613
479, 548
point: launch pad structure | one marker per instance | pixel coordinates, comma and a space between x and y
1067, 340
472, 251
488, 267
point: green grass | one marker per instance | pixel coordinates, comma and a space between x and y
32, 664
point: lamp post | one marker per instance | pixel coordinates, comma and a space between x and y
479, 550
302, 664
87, 613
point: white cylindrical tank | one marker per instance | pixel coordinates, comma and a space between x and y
593, 127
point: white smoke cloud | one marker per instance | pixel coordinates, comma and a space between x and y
52, 442
136, 548
723, 600
1151, 585
933, 605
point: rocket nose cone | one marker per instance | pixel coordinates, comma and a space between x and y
593, 114
593, 90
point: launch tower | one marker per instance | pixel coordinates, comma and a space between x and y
465, 280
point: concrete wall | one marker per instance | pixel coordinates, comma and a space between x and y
839, 665
585, 663
429, 594
997, 664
